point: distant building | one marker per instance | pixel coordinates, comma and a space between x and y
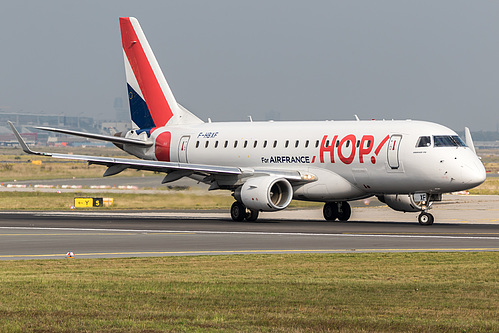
122, 113
26, 124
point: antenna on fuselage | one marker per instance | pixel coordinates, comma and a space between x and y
356, 117
250, 119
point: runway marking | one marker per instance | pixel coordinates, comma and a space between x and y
421, 233
262, 233
103, 234
250, 252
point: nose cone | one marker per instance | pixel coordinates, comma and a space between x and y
473, 173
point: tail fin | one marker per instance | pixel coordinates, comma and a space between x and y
152, 103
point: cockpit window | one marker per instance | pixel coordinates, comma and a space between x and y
423, 141
448, 141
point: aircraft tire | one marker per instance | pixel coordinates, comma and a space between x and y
345, 211
238, 211
330, 211
425, 219
252, 215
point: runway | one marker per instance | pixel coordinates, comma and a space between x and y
110, 234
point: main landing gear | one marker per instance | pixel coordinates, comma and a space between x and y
239, 212
337, 210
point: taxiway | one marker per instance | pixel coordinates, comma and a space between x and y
467, 224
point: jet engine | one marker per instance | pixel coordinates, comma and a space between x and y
400, 202
265, 193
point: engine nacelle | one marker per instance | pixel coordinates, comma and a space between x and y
266, 193
400, 202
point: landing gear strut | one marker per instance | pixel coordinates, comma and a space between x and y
239, 212
337, 210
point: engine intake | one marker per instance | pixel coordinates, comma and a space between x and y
266, 193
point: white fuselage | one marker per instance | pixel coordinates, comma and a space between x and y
351, 159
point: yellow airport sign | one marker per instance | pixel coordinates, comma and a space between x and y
88, 202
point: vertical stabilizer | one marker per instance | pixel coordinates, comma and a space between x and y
152, 103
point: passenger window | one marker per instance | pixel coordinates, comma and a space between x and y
275, 143
286, 144
245, 143
255, 143
235, 144
423, 141
265, 144
368, 143
316, 143
306, 144
297, 143
216, 144
226, 144
206, 144
327, 143
197, 144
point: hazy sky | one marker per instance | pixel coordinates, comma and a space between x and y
307, 60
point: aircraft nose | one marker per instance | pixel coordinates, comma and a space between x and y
474, 173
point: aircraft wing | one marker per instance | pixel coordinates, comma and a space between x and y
174, 170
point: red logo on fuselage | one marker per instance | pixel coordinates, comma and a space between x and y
347, 147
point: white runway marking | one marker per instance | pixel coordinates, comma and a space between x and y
251, 233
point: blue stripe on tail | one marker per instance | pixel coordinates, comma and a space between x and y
139, 110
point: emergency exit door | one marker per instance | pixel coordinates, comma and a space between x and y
393, 151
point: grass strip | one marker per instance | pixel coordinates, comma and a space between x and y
392, 292
37, 200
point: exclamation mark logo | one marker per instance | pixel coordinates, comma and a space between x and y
378, 149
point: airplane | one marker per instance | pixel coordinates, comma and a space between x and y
404, 163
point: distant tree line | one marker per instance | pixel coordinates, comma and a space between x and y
482, 135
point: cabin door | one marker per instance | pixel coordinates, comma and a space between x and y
393, 151
182, 149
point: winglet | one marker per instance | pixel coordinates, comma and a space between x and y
468, 139
23, 144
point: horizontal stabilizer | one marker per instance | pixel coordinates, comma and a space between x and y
110, 138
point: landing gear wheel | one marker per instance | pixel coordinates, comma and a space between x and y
330, 211
238, 211
425, 218
252, 215
344, 211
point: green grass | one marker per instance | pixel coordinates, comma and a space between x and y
36, 200
393, 292
489, 187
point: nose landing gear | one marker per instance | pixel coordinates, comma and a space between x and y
425, 218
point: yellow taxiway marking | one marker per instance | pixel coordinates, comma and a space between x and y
249, 252
420, 233
104, 234
139, 232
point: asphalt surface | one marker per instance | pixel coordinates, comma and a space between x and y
463, 223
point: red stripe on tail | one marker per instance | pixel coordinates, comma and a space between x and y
153, 94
